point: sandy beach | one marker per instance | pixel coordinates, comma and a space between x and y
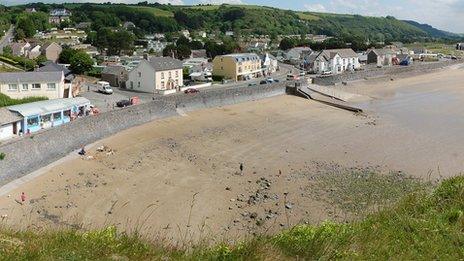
180, 179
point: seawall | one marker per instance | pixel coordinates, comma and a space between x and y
396, 71
27, 154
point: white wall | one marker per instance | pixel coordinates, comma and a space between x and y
6, 131
142, 78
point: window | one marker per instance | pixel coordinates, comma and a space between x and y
140, 74
46, 118
67, 113
177, 73
138, 85
12, 87
162, 84
57, 116
36, 86
51, 86
31, 122
25, 86
162, 75
132, 85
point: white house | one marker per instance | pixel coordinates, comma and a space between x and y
269, 64
156, 75
334, 61
19, 85
10, 123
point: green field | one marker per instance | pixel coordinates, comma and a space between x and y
308, 16
153, 10
215, 7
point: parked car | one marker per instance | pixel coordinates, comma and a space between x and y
292, 77
123, 103
104, 87
326, 73
263, 82
191, 90
302, 73
252, 84
275, 80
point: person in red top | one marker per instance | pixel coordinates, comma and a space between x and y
23, 197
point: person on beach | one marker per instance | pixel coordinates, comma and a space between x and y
241, 167
23, 197
82, 151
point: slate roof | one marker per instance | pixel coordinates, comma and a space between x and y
53, 67
7, 116
165, 63
241, 57
382, 51
30, 77
48, 106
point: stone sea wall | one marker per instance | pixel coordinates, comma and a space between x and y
28, 154
395, 71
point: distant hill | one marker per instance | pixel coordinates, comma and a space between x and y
250, 19
434, 32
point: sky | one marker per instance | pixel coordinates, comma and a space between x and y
443, 14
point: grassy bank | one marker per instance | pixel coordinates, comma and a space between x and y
8, 101
424, 225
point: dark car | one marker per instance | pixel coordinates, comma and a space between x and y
123, 103
191, 90
275, 80
252, 84
263, 82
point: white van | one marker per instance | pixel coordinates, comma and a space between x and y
104, 87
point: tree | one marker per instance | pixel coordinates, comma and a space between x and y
286, 44
80, 63
195, 45
183, 52
66, 55
182, 41
169, 50
7, 50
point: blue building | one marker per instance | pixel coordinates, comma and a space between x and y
45, 114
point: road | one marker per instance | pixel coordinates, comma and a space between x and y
106, 102
6, 39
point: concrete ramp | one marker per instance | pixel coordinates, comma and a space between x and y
332, 101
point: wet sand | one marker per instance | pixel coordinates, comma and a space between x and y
179, 178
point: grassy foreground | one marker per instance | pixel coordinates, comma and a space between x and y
424, 225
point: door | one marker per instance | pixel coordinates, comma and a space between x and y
15, 128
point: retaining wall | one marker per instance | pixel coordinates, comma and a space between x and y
381, 72
31, 153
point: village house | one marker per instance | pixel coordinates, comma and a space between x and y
296, 55
72, 84
199, 69
381, 57
51, 51
116, 75
34, 52
269, 64
46, 114
161, 75
334, 61
20, 49
460, 46
58, 16
198, 53
10, 123
238, 66
19, 85
257, 47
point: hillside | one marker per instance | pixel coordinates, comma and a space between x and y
251, 19
423, 226
432, 31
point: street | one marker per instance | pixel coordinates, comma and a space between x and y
6, 39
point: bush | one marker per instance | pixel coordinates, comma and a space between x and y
2, 156
8, 101
218, 78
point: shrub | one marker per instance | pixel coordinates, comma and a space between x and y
2, 156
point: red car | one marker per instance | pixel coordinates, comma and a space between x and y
191, 90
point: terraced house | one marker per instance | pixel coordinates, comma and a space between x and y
238, 66
19, 85
334, 61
